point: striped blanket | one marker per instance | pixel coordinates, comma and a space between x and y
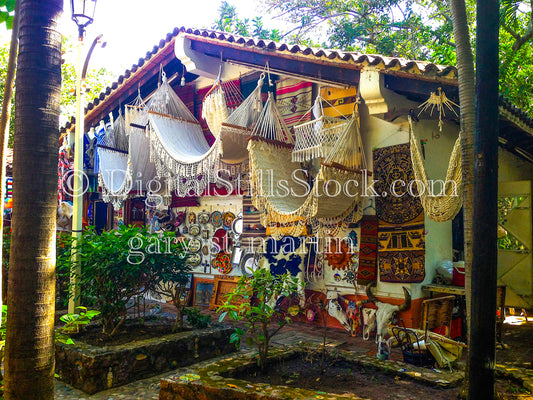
294, 99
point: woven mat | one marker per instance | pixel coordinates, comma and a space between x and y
401, 241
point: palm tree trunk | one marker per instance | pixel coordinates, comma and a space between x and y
465, 67
29, 357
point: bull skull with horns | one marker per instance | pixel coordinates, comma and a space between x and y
386, 312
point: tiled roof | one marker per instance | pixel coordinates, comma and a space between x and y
386, 64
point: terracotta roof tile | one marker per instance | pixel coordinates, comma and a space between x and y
386, 63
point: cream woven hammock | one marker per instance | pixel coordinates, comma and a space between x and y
237, 127
316, 138
124, 163
289, 207
178, 147
444, 205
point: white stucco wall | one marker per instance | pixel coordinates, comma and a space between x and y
377, 133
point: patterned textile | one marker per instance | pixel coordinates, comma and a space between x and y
284, 255
401, 241
368, 251
294, 98
100, 139
63, 172
232, 101
252, 231
337, 102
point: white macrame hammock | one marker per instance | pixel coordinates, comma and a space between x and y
321, 205
124, 162
316, 138
438, 206
178, 147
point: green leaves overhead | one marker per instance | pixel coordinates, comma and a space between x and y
7, 8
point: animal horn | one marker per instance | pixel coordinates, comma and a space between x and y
407, 304
369, 293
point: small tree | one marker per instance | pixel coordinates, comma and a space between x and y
108, 274
254, 293
170, 275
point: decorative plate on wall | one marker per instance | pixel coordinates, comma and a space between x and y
195, 245
216, 219
191, 218
194, 259
194, 230
203, 218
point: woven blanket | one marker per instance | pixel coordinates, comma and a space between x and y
337, 102
369, 250
252, 230
401, 241
293, 98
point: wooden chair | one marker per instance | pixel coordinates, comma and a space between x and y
436, 313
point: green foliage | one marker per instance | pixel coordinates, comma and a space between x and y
413, 29
118, 265
228, 21
169, 275
7, 8
196, 318
96, 82
73, 321
258, 312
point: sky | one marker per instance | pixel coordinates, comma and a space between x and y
132, 27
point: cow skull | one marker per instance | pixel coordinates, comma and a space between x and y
386, 312
336, 311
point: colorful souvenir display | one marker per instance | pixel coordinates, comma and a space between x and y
222, 263
216, 219
191, 218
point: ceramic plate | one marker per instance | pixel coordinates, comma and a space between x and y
194, 230
203, 218
216, 219
194, 259
195, 245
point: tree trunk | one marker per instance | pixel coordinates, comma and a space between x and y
4, 135
29, 357
482, 343
465, 67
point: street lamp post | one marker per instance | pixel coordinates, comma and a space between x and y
82, 15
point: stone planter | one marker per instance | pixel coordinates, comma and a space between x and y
93, 369
216, 380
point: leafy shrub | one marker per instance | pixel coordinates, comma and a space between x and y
73, 321
257, 313
168, 273
197, 319
118, 265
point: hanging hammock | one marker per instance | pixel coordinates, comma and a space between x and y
178, 147
125, 164
238, 126
316, 138
298, 203
438, 206
219, 102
